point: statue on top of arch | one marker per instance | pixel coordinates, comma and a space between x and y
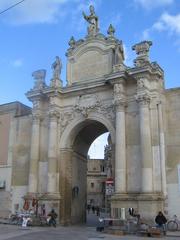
92, 19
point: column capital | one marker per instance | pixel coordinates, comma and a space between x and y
54, 114
143, 99
119, 96
37, 116
120, 104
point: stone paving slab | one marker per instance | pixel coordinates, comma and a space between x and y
63, 233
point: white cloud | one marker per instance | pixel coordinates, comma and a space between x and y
17, 63
167, 22
146, 34
149, 4
46, 11
33, 11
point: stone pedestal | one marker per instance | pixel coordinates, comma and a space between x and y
147, 205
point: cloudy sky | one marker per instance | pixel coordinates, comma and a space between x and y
35, 31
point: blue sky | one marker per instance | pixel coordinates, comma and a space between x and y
35, 31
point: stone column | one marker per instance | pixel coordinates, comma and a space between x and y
34, 154
162, 150
145, 141
120, 145
52, 152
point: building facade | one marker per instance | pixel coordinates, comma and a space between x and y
44, 149
96, 179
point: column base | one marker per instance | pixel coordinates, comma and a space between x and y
145, 204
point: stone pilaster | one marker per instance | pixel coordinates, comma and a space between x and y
145, 140
52, 152
65, 186
34, 154
157, 179
162, 150
120, 147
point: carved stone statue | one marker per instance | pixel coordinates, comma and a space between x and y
111, 31
39, 77
119, 55
92, 19
72, 42
142, 50
57, 66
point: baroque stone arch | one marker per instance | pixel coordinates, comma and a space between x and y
74, 146
102, 94
78, 123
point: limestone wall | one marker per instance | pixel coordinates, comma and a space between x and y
20, 163
12, 141
5, 121
173, 149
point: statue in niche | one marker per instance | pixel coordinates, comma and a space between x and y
57, 66
92, 19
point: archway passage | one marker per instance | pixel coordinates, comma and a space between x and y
73, 170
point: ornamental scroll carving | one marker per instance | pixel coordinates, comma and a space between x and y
143, 99
84, 106
65, 118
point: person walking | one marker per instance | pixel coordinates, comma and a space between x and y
52, 218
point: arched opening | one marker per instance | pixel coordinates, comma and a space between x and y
73, 169
98, 169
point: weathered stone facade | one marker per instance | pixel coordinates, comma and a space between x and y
44, 151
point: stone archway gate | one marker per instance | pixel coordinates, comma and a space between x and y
102, 92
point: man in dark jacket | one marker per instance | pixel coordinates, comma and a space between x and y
161, 221
53, 216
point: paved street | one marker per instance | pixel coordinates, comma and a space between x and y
61, 233
87, 231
